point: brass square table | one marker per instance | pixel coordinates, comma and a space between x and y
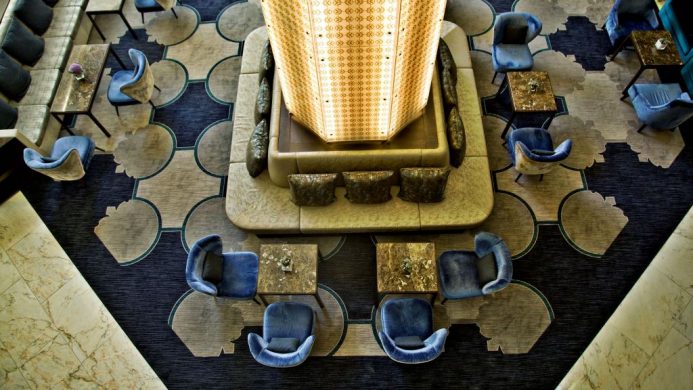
392, 277
104, 7
301, 280
649, 56
77, 96
528, 101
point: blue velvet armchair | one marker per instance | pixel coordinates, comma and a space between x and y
660, 106
288, 334
407, 335
145, 6
467, 274
68, 161
512, 33
532, 152
230, 275
629, 15
128, 87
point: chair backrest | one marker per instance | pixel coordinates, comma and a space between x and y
141, 87
529, 163
67, 167
407, 317
634, 7
166, 4
516, 19
485, 243
196, 259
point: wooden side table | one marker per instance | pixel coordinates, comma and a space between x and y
104, 7
303, 278
75, 96
648, 55
392, 277
528, 101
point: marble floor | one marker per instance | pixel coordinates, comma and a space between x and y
54, 330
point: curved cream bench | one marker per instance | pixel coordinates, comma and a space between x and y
259, 205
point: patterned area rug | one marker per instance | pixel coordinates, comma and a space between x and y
580, 238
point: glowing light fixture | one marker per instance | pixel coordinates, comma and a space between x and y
354, 70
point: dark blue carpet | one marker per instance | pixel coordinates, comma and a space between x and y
589, 43
209, 9
153, 50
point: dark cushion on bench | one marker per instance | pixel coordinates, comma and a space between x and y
22, 44
35, 14
14, 80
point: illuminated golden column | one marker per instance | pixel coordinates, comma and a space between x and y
354, 70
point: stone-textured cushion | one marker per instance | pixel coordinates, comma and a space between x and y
8, 115
425, 185
515, 34
35, 14
266, 58
409, 342
257, 149
22, 44
263, 104
457, 141
15, 80
213, 267
449, 88
368, 187
283, 344
487, 269
313, 189
446, 60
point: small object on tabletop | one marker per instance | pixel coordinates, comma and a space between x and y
77, 70
661, 44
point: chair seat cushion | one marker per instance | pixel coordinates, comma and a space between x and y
409, 342
515, 35
213, 268
148, 5
84, 146
509, 57
487, 269
240, 275
35, 14
283, 344
22, 44
459, 277
288, 319
115, 96
542, 152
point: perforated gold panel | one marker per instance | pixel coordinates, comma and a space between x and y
354, 70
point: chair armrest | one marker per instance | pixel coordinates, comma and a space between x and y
258, 348
437, 339
434, 347
651, 17
204, 287
256, 344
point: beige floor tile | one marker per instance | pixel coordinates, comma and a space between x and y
565, 73
588, 143
474, 16
660, 147
204, 49
209, 218
551, 14
214, 148
483, 73
10, 375
670, 366
684, 321
674, 259
8, 272
115, 364
17, 219
513, 319
360, 341
128, 230
170, 76
484, 42
654, 293
545, 196
77, 312
592, 222
50, 367
223, 79
237, 21
43, 264
144, 152
597, 11
518, 235
498, 155
252, 50
176, 189
168, 30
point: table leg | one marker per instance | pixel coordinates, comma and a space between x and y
635, 78
98, 124
317, 298
502, 86
96, 27
507, 126
262, 299
115, 55
548, 123
62, 124
620, 47
132, 32
433, 298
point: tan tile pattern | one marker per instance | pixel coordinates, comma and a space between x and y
566, 74
209, 218
498, 156
223, 79
128, 230
659, 147
214, 147
551, 14
202, 51
237, 21
360, 341
168, 30
512, 221
473, 16
144, 152
588, 143
170, 77
592, 222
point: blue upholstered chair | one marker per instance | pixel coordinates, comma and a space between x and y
467, 274
630, 15
68, 161
512, 33
407, 335
230, 275
135, 86
660, 106
288, 334
144, 6
532, 152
